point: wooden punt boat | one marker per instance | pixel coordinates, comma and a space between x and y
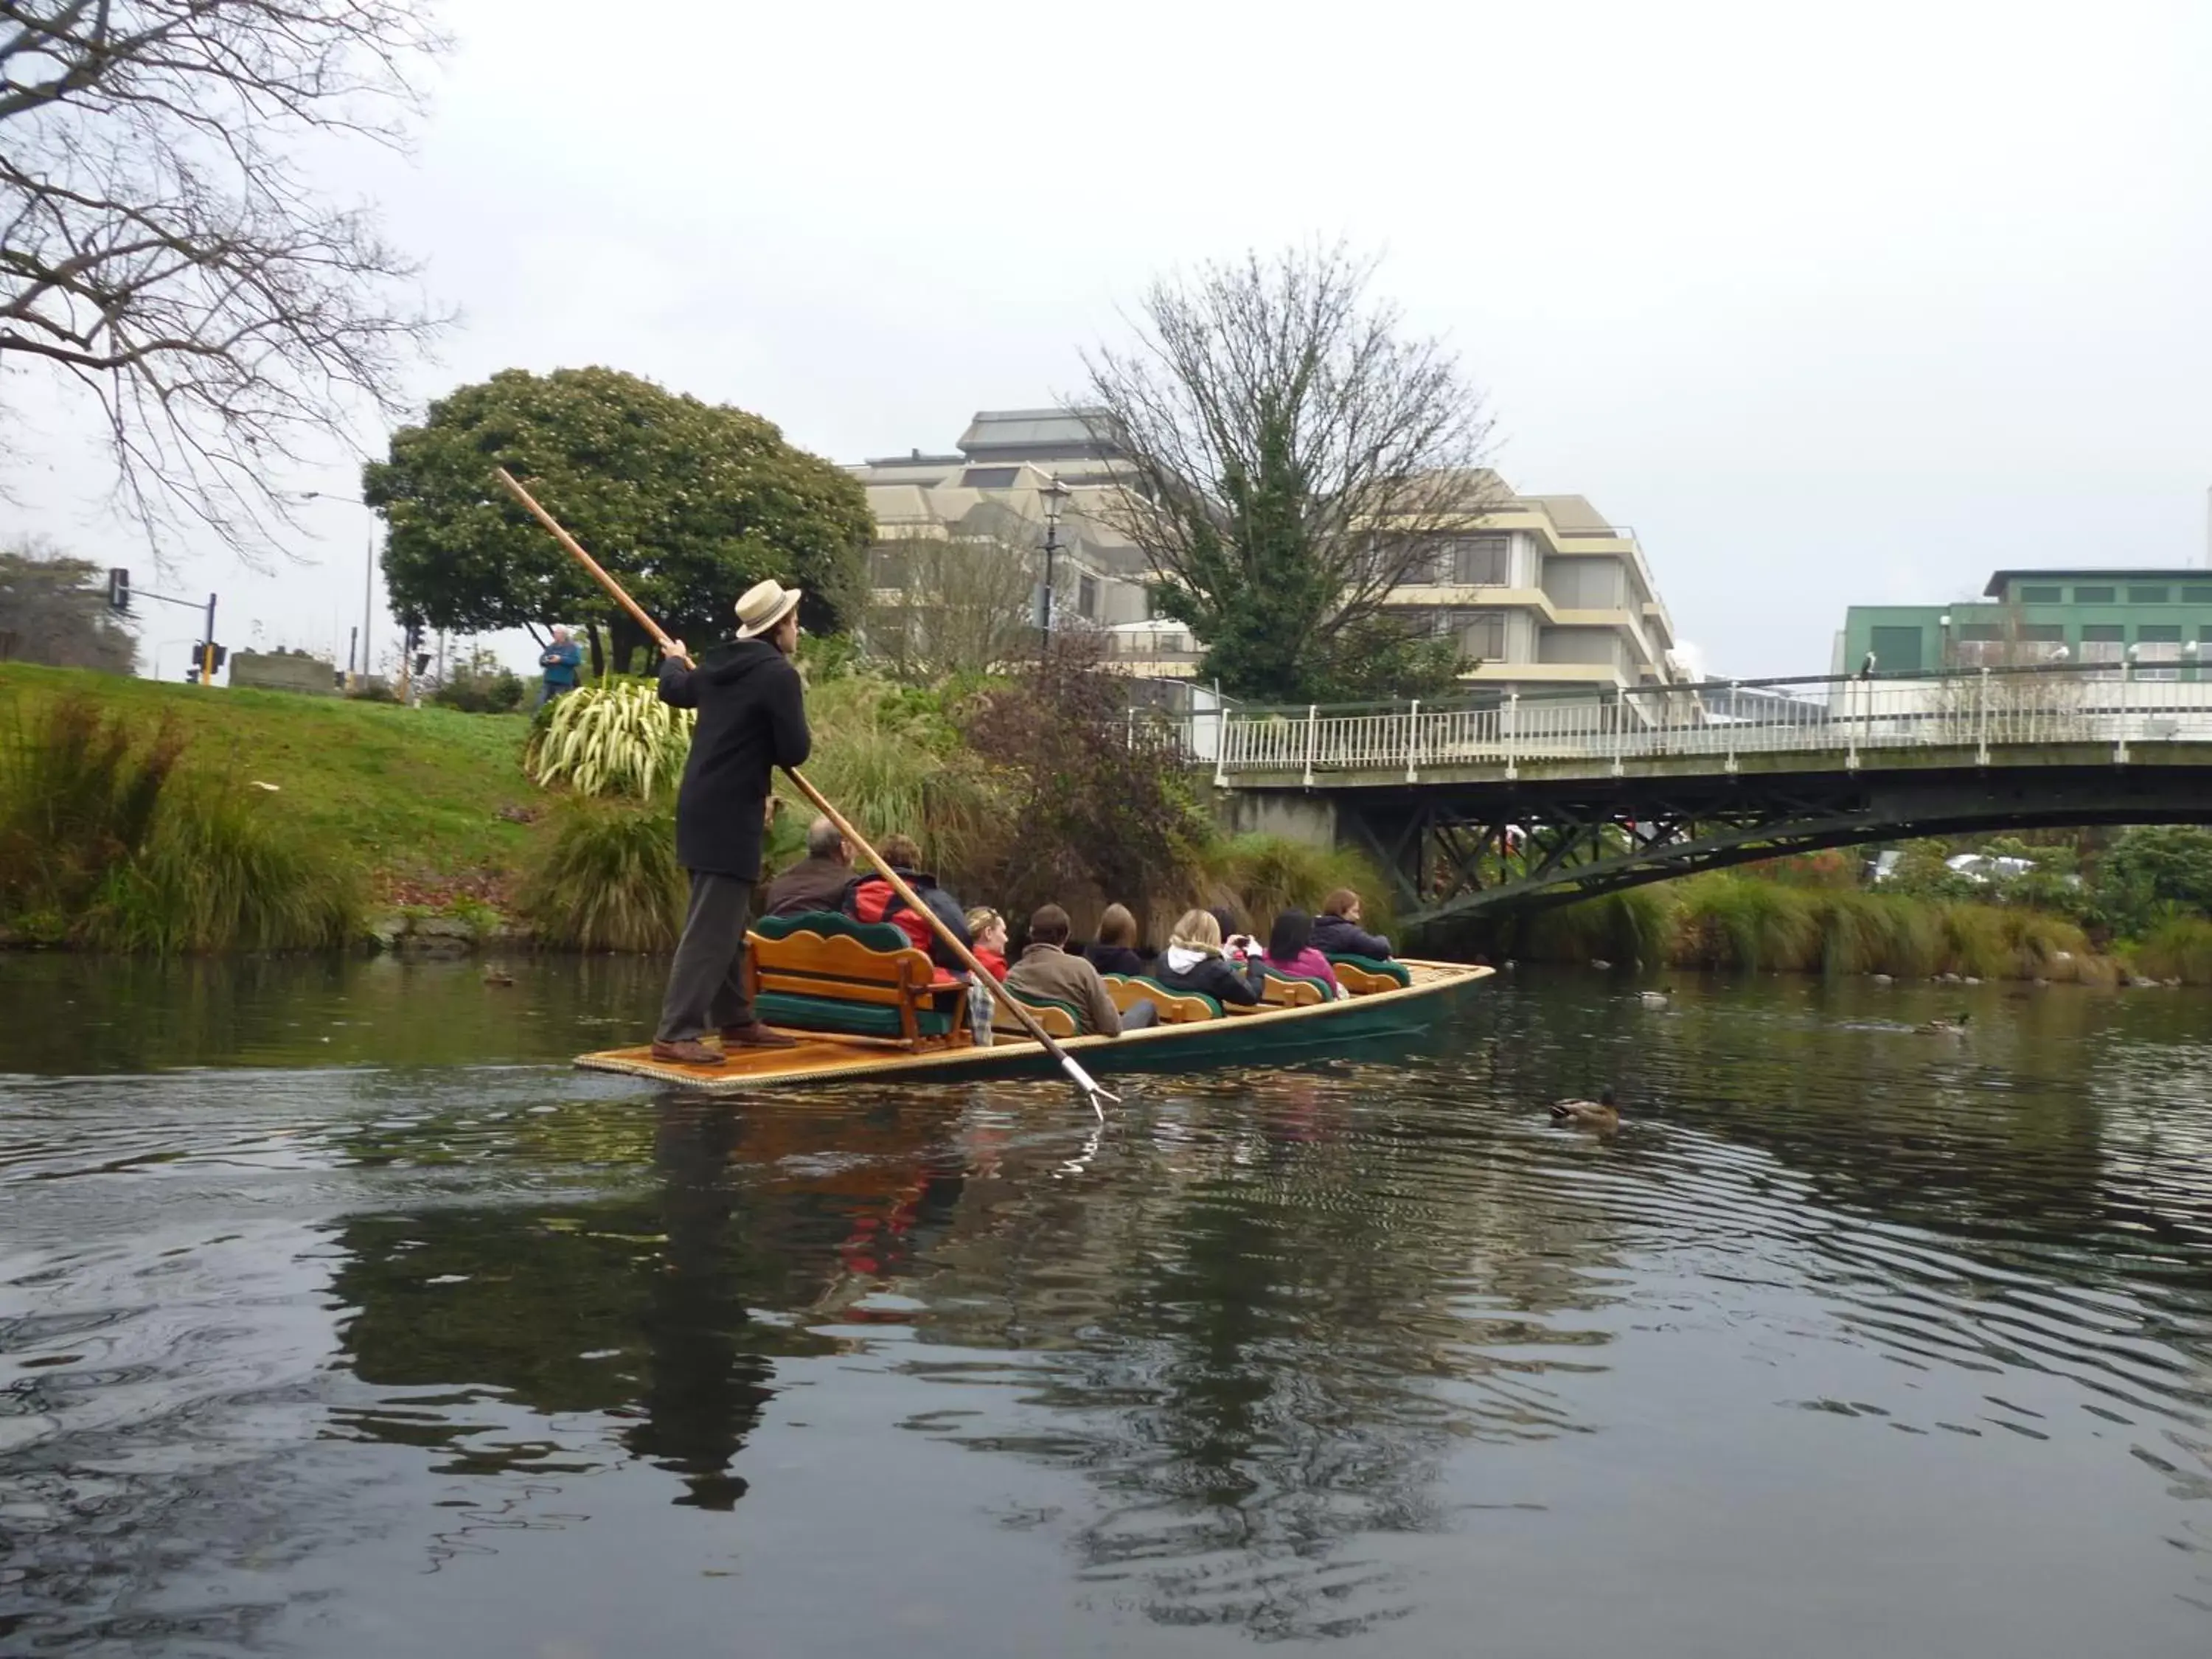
1263, 1037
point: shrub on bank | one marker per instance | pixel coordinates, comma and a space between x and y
1259, 876
607, 880
1729, 921
2178, 948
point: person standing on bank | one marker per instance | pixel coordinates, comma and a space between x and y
562, 661
752, 719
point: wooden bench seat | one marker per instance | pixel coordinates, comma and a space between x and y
823, 971
1060, 1019
1364, 976
1176, 1007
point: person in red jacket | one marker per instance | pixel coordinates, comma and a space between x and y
872, 898
989, 929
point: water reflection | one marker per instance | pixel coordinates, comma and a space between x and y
1267, 1355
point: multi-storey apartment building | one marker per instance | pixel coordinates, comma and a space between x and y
1543, 591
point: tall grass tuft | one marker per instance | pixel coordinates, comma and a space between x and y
1750, 926
2179, 949
1259, 877
888, 760
1636, 925
614, 739
607, 880
105, 842
224, 871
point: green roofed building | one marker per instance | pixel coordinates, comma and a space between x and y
2026, 616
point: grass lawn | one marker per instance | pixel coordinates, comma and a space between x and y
415, 793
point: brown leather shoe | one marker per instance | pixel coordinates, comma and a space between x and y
689, 1052
757, 1036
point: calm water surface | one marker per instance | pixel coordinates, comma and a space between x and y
339, 1318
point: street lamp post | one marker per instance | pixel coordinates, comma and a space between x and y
368, 574
1056, 495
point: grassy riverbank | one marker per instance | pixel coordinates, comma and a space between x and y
412, 798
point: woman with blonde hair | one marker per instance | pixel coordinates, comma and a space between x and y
1192, 962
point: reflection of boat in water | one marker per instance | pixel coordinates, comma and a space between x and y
1262, 1035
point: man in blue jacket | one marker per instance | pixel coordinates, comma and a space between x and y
561, 660
752, 719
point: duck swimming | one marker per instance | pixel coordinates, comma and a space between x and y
1945, 1027
1655, 998
1600, 1115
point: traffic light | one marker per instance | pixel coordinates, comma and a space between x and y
422, 662
118, 591
199, 654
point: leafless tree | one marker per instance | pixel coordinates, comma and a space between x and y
160, 243
962, 598
1292, 453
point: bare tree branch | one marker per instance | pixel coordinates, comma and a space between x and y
1292, 454
158, 243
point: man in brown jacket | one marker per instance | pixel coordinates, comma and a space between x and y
818, 881
1045, 969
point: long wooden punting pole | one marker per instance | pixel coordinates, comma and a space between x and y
1092, 1091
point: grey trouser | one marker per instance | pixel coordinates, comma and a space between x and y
703, 990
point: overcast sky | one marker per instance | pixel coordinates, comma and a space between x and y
1832, 305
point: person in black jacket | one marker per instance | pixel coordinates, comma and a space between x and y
1115, 951
1336, 931
1192, 962
752, 719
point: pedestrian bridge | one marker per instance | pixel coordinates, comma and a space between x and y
1531, 801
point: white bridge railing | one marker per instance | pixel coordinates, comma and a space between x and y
1854, 720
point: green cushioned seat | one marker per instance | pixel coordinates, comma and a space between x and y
1396, 971
830, 924
1271, 971
806, 1014
1213, 1003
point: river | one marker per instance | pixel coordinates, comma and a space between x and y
339, 1318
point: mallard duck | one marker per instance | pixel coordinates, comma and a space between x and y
1600, 1115
1655, 998
497, 976
1944, 1027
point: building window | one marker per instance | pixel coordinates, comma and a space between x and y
2150, 595
1482, 634
2040, 595
1086, 597
1896, 650
989, 477
2093, 595
2102, 642
1980, 644
1470, 561
1584, 584
2195, 595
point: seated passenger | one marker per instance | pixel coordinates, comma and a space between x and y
988, 930
1290, 949
1115, 950
1192, 962
872, 898
1046, 970
1236, 944
1336, 931
818, 881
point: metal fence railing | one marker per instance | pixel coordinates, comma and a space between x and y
1979, 710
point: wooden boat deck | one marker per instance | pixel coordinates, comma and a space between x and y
1231, 1039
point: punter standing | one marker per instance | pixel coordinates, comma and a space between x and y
752, 719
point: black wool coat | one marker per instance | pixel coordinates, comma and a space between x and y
752, 719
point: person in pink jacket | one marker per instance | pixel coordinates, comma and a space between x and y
1291, 950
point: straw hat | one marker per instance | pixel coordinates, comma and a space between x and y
763, 606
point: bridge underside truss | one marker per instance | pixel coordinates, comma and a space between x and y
1496, 850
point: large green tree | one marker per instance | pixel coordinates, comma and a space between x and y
54, 610
1294, 456
689, 504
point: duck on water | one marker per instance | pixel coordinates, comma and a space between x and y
1600, 1115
